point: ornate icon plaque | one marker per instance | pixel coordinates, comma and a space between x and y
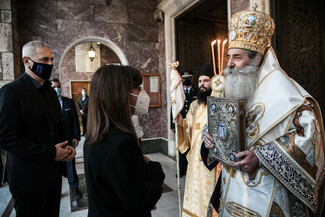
226, 123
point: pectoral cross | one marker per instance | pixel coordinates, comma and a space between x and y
255, 6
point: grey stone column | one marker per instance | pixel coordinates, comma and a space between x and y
9, 46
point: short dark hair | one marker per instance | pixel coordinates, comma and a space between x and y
54, 80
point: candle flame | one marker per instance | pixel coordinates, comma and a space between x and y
219, 41
224, 42
212, 43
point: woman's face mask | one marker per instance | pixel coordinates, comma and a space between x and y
142, 105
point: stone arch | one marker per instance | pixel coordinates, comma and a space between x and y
108, 43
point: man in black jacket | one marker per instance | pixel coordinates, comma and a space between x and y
83, 109
33, 134
70, 118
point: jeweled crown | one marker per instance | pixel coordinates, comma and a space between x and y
251, 30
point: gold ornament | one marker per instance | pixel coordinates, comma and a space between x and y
218, 85
251, 30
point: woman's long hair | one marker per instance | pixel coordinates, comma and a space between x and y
109, 101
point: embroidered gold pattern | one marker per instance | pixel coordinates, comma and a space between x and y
254, 114
235, 209
288, 173
259, 143
251, 30
296, 207
254, 182
189, 213
276, 210
298, 155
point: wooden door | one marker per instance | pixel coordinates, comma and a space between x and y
299, 42
76, 87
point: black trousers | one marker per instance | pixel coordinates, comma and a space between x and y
84, 124
1, 169
182, 163
42, 203
72, 174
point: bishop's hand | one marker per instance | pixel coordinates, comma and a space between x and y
249, 162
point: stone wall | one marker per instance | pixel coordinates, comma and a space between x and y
239, 5
9, 47
129, 24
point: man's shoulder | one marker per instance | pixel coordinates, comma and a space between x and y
19, 83
67, 99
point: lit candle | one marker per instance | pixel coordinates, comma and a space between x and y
219, 54
213, 58
222, 53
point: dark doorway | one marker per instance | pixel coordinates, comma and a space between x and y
196, 29
299, 43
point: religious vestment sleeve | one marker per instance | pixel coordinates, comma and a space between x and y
184, 132
295, 159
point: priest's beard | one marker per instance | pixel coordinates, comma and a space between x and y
240, 83
202, 95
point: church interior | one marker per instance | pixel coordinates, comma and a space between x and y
148, 34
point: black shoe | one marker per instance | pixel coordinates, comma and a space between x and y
76, 193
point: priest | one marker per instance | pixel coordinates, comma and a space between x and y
282, 167
200, 181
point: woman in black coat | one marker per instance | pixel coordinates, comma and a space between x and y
120, 180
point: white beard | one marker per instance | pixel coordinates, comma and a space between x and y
240, 83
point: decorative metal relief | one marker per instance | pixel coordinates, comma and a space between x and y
226, 123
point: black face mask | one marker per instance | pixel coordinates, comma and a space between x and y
42, 70
187, 82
